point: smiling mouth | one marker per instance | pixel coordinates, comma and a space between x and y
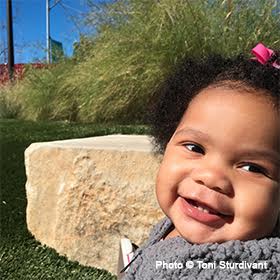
203, 213
203, 207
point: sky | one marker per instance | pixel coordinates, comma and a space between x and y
29, 27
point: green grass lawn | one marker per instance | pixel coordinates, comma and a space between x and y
21, 256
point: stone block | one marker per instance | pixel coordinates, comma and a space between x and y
85, 194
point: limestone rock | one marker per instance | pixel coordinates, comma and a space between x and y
85, 194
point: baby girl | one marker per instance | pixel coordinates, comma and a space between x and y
217, 123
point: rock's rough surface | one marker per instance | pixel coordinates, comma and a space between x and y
85, 194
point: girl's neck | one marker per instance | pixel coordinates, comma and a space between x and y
172, 233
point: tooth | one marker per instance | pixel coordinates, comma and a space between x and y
202, 209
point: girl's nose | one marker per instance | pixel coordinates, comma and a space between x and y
213, 177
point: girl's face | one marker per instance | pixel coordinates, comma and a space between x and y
220, 175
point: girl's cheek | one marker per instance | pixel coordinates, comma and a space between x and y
170, 166
256, 203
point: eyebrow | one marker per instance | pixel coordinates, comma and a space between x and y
265, 154
251, 153
194, 132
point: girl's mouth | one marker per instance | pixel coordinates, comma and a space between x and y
202, 207
200, 212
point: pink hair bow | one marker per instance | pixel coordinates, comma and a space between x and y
263, 54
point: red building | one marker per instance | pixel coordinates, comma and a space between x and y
18, 70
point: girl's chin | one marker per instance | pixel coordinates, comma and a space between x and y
199, 233
201, 239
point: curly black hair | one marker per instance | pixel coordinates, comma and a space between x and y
191, 76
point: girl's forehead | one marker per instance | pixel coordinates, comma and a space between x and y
241, 111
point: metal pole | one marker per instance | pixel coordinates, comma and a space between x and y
11, 60
48, 23
5, 48
48, 30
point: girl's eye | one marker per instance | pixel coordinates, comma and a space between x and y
254, 168
194, 148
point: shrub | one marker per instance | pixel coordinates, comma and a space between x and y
10, 105
41, 96
138, 42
